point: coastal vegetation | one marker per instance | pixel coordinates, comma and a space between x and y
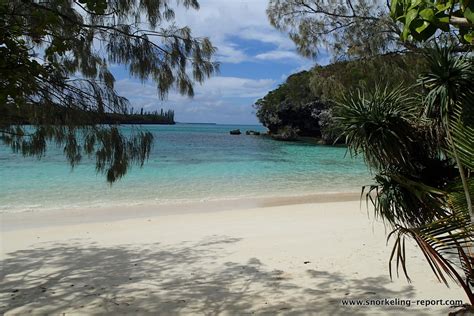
30, 114
55, 57
142, 117
416, 137
291, 109
419, 148
422, 19
303, 104
358, 29
350, 29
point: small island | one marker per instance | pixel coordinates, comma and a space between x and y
141, 118
31, 115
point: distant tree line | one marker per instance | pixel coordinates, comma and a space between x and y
303, 105
30, 114
143, 117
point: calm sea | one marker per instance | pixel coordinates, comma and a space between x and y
188, 163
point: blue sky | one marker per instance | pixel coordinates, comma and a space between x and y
255, 58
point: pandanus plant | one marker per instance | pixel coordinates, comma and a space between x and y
420, 146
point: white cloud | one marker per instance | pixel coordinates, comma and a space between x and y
224, 21
220, 99
225, 99
269, 35
231, 87
278, 55
219, 87
230, 53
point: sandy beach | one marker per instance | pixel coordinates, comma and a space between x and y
291, 259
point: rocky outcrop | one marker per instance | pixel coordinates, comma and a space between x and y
286, 133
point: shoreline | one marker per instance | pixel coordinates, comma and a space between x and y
300, 259
64, 216
249, 200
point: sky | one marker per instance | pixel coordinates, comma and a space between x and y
254, 59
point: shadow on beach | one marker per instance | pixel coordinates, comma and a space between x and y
189, 278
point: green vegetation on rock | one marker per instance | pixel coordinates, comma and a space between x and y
302, 106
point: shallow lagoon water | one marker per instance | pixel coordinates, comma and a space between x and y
188, 163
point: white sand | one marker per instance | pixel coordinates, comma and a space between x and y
232, 262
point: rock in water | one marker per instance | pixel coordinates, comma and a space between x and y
252, 133
235, 132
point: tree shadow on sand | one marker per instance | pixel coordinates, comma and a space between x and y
189, 278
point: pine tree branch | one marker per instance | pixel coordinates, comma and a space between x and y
320, 10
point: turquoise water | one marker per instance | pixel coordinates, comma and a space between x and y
188, 163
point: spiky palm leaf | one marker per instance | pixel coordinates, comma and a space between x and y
378, 125
463, 136
449, 81
449, 101
399, 200
419, 190
445, 243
